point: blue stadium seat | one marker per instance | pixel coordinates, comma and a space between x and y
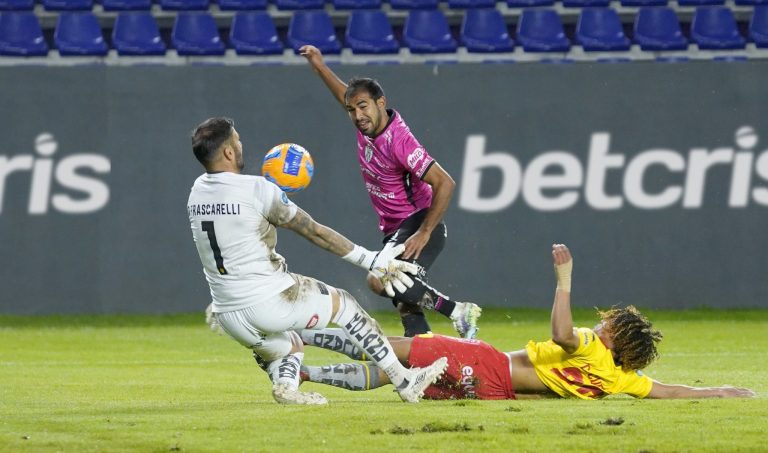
79, 34
184, 5
370, 32
357, 4
469, 4
242, 5
541, 30
68, 5
699, 2
413, 4
714, 27
136, 33
16, 5
313, 27
254, 33
758, 26
20, 35
643, 2
427, 31
299, 4
585, 3
126, 5
529, 3
599, 29
659, 29
196, 34
484, 30
750, 2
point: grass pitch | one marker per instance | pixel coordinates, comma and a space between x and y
166, 383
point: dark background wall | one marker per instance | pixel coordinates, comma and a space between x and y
135, 253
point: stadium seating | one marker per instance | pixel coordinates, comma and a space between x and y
413, 4
126, 5
468, 4
758, 26
599, 29
427, 31
21, 35
184, 5
356, 4
299, 4
529, 3
79, 34
196, 34
254, 33
541, 30
714, 27
631, 3
242, 5
658, 29
484, 30
68, 5
700, 2
313, 27
750, 2
585, 3
136, 33
369, 32
16, 5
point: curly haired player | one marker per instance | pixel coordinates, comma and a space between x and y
575, 363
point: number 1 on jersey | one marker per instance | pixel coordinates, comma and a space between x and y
207, 226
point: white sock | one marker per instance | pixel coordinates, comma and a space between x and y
285, 370
364, 332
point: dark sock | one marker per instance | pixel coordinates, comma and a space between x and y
414, 324
444, 306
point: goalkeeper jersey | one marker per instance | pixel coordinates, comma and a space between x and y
233, 219
588, 373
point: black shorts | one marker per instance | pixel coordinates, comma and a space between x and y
434, 246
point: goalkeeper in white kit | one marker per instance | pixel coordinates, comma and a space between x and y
255, 299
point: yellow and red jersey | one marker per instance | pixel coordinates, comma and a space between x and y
588, 373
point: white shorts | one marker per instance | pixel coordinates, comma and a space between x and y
264, 325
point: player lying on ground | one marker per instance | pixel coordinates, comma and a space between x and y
577, 362
255, 299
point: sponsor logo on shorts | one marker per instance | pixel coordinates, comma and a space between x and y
312, 321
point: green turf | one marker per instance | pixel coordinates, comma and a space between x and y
166, 383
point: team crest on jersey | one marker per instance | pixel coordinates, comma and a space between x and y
284, 198
368, 153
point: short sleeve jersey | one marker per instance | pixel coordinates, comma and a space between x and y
393, 164
588, 373
233, 219
476, 370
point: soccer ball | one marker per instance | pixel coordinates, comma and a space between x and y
289, 166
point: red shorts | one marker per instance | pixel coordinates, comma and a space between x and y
475, 369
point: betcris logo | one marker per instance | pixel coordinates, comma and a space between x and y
557, 180
69, 185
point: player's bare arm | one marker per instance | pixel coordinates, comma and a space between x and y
660, 390
442, 192
331, 80
318, 234
562, 319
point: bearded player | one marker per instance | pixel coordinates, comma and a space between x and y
409, 191
576, 363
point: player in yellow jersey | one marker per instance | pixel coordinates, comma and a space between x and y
575, 363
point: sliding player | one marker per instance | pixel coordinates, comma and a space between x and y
255, 299
577, 362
